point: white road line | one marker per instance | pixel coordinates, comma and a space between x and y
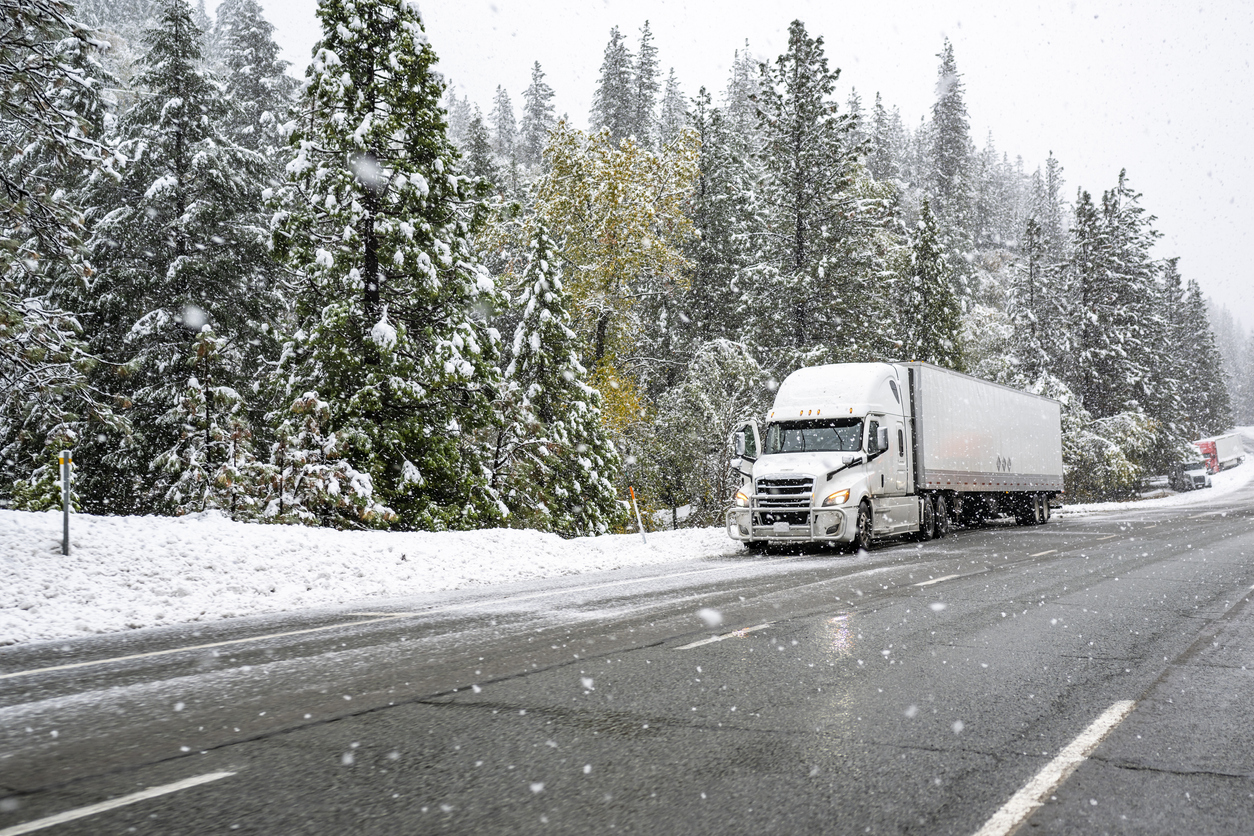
712, 639
1042, 554
168, 651
1205, 514
1110, 537
1026, 801
936, 580
385, 617
112, 804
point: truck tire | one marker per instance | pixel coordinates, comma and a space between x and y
862, 534
941, 513
927, 522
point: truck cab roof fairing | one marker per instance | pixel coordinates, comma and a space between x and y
836, 390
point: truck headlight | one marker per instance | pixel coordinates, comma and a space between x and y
741, 499
838, 498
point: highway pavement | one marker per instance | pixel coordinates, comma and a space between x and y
1092, 675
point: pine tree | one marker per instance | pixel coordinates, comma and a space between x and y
674, 115
614, 103
644, 90
460, 113
1114, 288
813, 252
537, 119
553, 455
504, 129
211, 463
376, 220
479, 156
51, 123
951, 151
178, 242
932, 315
883, 162
256, 80
1207, 404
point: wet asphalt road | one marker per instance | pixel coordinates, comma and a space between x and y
914, 689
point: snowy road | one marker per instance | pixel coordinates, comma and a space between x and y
909, 690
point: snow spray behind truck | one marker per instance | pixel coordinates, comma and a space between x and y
852, 452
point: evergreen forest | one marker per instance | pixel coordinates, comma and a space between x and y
346, 295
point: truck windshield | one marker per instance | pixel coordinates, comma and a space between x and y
1195, 466
833, 434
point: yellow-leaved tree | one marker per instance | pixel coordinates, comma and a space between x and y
617, 213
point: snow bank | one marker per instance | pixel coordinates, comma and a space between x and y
1227, 482
130, 572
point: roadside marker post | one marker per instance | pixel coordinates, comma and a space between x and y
636, 506
67, 464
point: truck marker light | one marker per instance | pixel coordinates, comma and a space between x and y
742, 501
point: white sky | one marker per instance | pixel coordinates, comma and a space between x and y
1156, 87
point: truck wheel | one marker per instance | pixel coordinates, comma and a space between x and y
942, 516
862, 535
927, 525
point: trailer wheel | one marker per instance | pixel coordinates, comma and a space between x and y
927, 523
941, 514
1045, 508
862, 535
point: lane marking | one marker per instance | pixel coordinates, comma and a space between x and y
1110, 537
735, 634
1033, 794
386, 617
1205, 514
1042, 554
937, 580
112, 804
170, 650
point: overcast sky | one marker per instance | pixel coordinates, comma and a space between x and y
1155, 87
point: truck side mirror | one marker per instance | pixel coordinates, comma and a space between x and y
738, 443
881, 443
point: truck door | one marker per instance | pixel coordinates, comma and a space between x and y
880, 460
900, 460
746, 444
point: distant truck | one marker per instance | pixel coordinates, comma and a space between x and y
853, 452
1221, 451
1189, 475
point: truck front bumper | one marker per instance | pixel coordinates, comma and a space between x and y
815, 525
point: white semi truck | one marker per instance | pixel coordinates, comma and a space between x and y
853, 452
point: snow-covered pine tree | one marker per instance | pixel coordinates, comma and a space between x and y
479, 161
256, 80
674, 110
614, 102
557, 463
537, 119
740, 105
52, 115
504, 128
883, 160
1200, 377
211, 463
376, 219
723, 222
178, 242
951, 153
460, 112
932, 319
311, 480
645, 88
1114, 284
812, 245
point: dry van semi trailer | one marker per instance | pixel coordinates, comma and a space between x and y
1221, 451
853, 452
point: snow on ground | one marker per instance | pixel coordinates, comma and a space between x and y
130, 572
1229, 481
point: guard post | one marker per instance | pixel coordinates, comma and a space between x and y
67, 463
